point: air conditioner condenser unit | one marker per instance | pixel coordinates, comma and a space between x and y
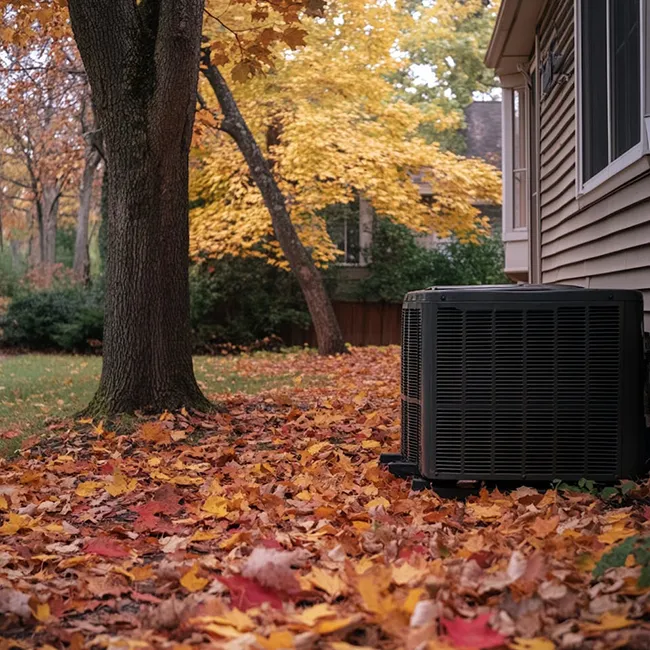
521, 384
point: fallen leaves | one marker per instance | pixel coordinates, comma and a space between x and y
473, 633
120, 484
271, 525
192, 581
106, 547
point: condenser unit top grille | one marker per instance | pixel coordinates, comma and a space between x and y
517, 292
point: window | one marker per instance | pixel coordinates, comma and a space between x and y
519, 160
343, 227
516, 167
610, 85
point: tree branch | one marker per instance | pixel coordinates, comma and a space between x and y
15, 182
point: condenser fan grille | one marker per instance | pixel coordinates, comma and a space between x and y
411, 382
520, 392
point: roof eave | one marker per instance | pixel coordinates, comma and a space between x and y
513, 37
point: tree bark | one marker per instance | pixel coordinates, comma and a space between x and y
81, 264
48, 217
142, 61
328, 332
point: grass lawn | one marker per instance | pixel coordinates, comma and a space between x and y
34, 387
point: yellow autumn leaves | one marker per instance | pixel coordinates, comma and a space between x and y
116, 485
343, 132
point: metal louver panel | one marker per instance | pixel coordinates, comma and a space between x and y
527, 392
411, 383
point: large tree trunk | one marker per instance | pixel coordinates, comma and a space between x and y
328, 332
81, 264
142, 62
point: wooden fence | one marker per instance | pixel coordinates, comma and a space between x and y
362, 323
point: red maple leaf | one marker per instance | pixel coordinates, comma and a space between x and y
246, 593
473, 633
147, 520
165, 501
105, 547
168, 499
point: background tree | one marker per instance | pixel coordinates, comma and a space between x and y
446, 44
328, 332
92, 159
334, 127
39, 110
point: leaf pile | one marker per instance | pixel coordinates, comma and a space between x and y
271, 525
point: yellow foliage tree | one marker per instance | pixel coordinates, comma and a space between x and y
334, 127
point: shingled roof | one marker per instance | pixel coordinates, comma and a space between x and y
483, 131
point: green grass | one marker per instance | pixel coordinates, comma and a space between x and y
34, 387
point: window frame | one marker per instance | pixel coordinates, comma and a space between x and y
510, 231
614, 167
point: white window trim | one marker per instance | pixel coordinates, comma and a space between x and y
629, 157
509, 232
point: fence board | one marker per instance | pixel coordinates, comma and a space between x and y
361, 323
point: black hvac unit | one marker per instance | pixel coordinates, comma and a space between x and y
521, 383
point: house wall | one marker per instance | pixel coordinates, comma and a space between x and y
600, 239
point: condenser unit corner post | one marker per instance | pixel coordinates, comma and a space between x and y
521, 384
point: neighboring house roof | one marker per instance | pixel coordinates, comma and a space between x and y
482, 135
513, 37
483, 131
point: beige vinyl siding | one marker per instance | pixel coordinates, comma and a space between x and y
603, 242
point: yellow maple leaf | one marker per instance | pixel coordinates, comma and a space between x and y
3, 502
40, 611
238, 619
405, 573
485, 513
225, 631
119, 484
334, 625
330, 583
312, 615
413, 598
280, 640
87, 488
607, 622
364, 564
232, 541
215, 505
537, 643
616, 533
371, 592
192, 581
203, 536
379, 501
16, 523
183, 479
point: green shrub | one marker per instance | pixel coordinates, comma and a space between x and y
240, 301
69, 319
398, 264
11, 270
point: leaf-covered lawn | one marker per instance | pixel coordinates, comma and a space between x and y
34, 387
271, 525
